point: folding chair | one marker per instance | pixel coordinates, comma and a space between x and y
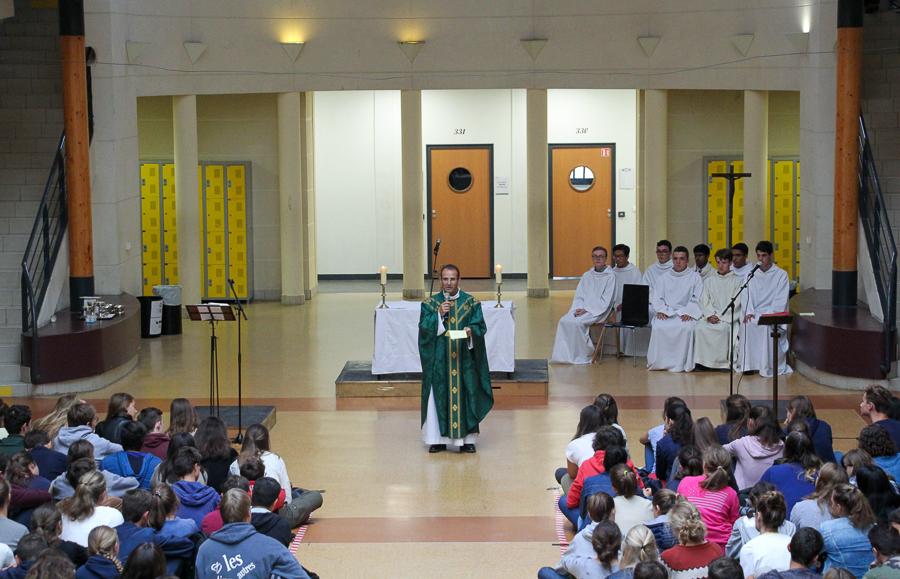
635, 314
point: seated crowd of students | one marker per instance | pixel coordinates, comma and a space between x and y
749, 498
126, 498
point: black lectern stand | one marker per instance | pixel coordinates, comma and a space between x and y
775, 320
212, 313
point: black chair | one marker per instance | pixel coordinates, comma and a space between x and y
635, 313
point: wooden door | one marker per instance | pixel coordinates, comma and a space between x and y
460, 185
581, 204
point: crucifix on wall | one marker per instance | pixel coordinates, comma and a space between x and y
731, 177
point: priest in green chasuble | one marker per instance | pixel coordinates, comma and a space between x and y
456, 382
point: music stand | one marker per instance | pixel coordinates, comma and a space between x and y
212, 313
775, 320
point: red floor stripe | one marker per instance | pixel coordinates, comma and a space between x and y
560, 523
298, 538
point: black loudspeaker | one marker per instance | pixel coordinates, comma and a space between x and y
635, 304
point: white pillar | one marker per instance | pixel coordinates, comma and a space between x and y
413, 199
187, 199
756, 161
654, 204
290, 194
308, 176
538, 214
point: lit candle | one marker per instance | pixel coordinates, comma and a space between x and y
498, 273
383, 271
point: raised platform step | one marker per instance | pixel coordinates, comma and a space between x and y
531, 378
842, 341
71, 349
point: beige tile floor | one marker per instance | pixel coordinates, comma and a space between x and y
391, 509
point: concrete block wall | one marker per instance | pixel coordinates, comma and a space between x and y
31, 121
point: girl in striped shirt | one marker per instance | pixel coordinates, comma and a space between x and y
717, 502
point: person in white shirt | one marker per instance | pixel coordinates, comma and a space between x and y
769, 551
715, 334
662, 266
85, 510
593, 302
767, 293
701, 261
739, 265
676, 300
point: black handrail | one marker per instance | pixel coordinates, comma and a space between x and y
880, 241
43, 247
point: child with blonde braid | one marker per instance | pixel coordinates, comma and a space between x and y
691, 557
103, 562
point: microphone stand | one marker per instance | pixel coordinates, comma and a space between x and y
240, 435
437, 249
730, 306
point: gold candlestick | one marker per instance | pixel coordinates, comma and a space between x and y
498, 304
383, 304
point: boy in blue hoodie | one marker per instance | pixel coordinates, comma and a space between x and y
131, 461
238, 550
136, 529
196, 498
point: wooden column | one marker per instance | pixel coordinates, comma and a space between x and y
78, 162
846, 152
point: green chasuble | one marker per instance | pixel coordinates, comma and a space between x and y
459, 376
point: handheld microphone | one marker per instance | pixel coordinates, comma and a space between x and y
437, 246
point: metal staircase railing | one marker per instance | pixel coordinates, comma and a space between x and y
43, 247
876, 225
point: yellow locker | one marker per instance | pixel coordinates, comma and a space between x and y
170, 226
237, 227
782, 215
737, 208
215, 282
151, 246
797, 223
717, 193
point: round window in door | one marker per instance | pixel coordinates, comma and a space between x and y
581, 178
460, 179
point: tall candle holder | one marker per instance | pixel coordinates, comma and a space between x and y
383, 304
498, 304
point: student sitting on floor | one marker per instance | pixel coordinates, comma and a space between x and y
131, 462
265, 493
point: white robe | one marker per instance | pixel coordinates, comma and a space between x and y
595, 293
672, 340
711, 341
767, 293
705, 271
630, 274
743, 270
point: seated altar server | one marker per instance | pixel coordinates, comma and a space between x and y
767, 293
676, 301
593, 301
662, 266
712, 338
701, 261
739, 265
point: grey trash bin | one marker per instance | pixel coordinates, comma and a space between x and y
171, 309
